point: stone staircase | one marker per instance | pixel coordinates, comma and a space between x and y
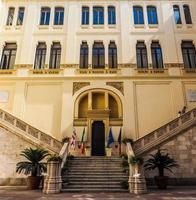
32, 135
94, 174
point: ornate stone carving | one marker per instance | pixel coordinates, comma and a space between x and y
78, 85
118, 85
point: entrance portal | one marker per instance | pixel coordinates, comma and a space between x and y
98, 138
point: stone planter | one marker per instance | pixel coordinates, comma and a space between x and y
108, 152
87, 151
53, 182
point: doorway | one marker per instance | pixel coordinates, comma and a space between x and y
98, 139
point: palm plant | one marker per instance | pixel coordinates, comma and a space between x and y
161, 161
33, 165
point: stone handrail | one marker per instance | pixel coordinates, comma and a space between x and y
165, 132
130, 153
64, 153
28, 132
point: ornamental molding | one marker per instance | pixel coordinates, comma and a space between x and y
118, 85
78, 85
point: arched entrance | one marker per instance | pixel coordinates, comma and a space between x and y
98, 139
97, 110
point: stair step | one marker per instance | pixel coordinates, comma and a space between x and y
93, 190
98, 179
93, 182
95, 171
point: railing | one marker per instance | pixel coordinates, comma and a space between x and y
64, 153
18, 126
162, 134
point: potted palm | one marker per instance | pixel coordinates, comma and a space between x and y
33, 166
161, 161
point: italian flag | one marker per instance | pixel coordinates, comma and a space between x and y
82, 142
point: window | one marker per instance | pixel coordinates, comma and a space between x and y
55, 56
85, 15
40, 56
112, 55
138, 15
20, 16
187, 14
157, 60
98, 15
45, 16
10, 16
177, 14
98, 55
8, 56
111, 15
59, 16
189, 54
152, 15
84, 55
141, 54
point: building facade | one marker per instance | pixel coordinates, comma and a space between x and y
97, 64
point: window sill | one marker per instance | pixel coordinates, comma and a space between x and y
84, 26
139, 25
8, 27
98, 26
111, 25
18, 27
57, 26
153, 26
189, 25
178, 25
43, 26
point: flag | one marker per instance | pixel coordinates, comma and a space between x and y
120, 140
82, 141
73, 139
110, 139
120, 136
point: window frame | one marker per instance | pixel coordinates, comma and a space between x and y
187, 14
20, 21
59, 12
111, 15
8, 22
40, 51
46, 11
85, 15
152, 15
84, 55
99, 11
176, 9
156, 51
141, 50
98, 55
139, 19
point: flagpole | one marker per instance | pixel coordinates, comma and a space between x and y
119, 141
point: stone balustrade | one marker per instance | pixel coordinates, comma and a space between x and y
23, 129
160, 135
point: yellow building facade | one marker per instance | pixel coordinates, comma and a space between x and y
71, 64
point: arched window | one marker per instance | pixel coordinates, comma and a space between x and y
98, 15
177, 15
142, 60
138, 15
45, 16
8, 56
59, 16
152, 15
112, 55
98, 55
189, 54
85, 15
157, 59
40, 56
84, 55
187, 14
111, 15
55, 56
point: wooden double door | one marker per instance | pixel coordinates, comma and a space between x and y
98, 139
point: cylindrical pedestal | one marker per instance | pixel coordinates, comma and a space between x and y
53, 181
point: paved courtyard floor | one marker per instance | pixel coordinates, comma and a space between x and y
20, 193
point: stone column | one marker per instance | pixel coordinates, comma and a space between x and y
48, 47
53, 182
90, 101
90, 53
106, 46
106, 101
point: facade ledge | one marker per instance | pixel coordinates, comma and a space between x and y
98, 71
85, 26
148, 71
139, 25
98, 26
45, 71
112, 26
7, 71
189, 70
